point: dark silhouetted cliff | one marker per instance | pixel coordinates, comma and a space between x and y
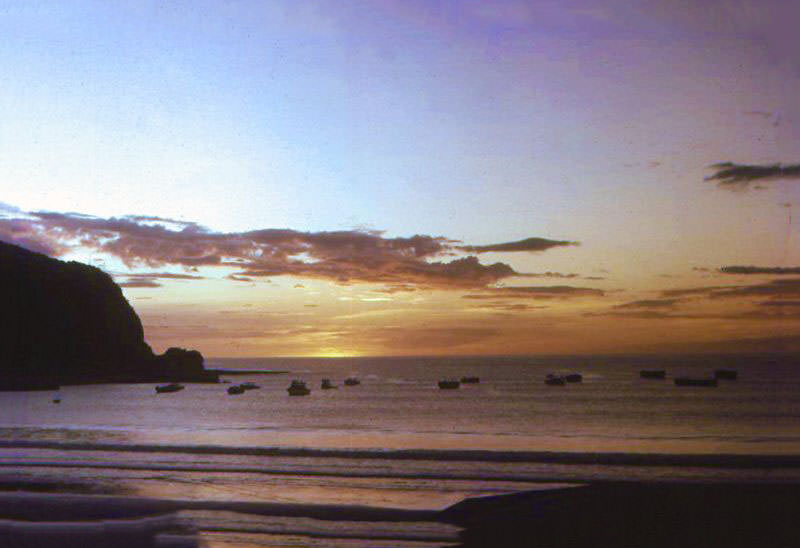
69, 323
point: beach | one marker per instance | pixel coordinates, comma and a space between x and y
612, 461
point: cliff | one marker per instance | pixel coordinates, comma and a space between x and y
69, 323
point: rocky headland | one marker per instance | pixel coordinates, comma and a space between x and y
69, 323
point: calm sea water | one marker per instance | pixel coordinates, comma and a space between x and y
397, 440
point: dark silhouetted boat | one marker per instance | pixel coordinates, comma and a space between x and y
726, 374
470, 380
298, 388
688, 381
449, 384
351, 381
236, 390
327, 384
167, 388
553, 380
56, 400
653, 374
574, 377
249, 386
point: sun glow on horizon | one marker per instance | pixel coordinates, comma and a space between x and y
335, 353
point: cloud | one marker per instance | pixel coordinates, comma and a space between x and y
397, 288
780, 314
529, 244
536, 292
774, 288
638, 315
779, 270
649, 303
509, 307
690, 291
236, 278
161, 276
139, 283
148, 279
730, 175
352, 256
777, 289
547, 275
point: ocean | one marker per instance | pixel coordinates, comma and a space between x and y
397, 441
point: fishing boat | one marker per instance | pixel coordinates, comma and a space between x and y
553, 380
449, 384
470, 380
298, 388
351, 381
167, 388
653, 374
327, 384
236, 390
688, 381
574, 377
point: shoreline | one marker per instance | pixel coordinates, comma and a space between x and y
633, 514
700, 460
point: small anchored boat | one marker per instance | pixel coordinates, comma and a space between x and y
327, 384
653, 374
298, 388
470, 380
167, 388
235, 390
553, 380
351, 381
249, 386
574, 377
449, 384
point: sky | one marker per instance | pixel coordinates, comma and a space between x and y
349, 178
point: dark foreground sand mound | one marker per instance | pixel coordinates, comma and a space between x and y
634, 515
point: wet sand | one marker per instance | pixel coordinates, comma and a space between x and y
614, 515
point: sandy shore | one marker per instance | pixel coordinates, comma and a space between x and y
613, 515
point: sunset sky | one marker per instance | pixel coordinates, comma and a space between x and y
342, 178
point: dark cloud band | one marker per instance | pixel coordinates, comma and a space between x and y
728, 174
529, 244
779, 270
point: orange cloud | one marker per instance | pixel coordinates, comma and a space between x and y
354, 256
536, 292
